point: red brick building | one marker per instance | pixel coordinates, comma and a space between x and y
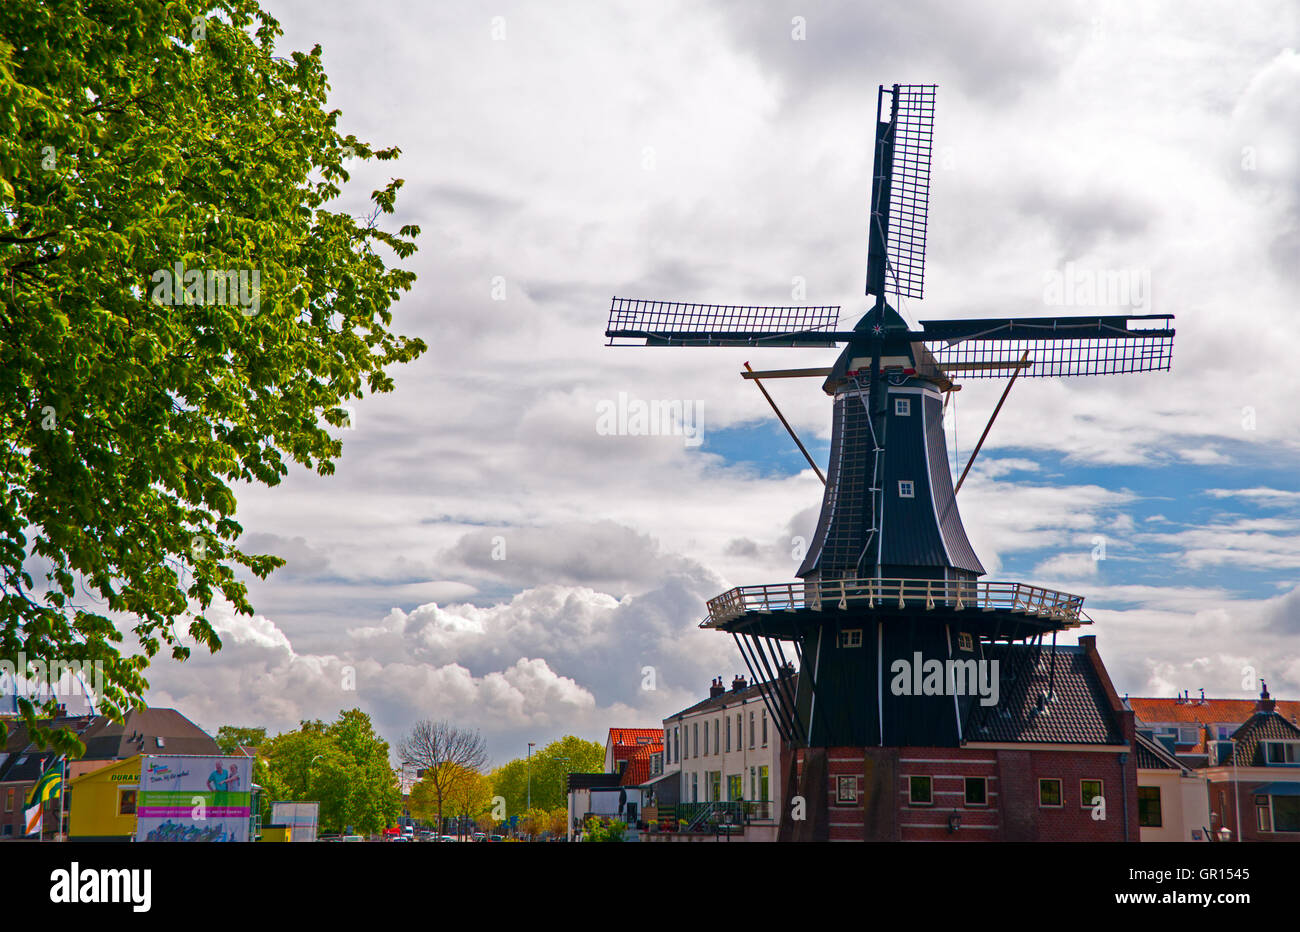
1053, 761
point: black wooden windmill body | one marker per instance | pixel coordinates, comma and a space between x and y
890, 572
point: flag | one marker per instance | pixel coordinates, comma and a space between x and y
33, 818
50, 784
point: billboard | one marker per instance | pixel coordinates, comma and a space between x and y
192, 798
301, 819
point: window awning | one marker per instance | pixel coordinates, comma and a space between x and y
1278, 789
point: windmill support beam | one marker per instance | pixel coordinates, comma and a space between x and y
785, 424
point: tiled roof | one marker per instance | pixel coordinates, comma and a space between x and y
1260, 727
1151, 755
731, 696
638, 765
138, 734
1079, 714
1203, 712
635, 736
108, 740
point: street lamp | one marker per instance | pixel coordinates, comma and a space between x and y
529, 769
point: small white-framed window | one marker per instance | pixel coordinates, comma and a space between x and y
1187, 735
965, 641
851, 637
903, 407
906, 488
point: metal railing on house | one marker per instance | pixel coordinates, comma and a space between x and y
926, 594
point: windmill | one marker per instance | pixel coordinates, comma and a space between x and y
890, 574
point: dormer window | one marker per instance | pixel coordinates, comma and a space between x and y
906, 488
903, 407
1282, 753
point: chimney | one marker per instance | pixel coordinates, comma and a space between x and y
716, 688
1266, 702
738, 683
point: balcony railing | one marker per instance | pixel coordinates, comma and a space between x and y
927, 594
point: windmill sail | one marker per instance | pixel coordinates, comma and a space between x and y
900, 199
675, 323
1057, 346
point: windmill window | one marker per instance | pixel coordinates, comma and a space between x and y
920, 791
977, 791
906, 488
846, 790
851, 638
903, 407
965, 641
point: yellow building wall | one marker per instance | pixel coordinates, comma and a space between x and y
94, 801
275, 833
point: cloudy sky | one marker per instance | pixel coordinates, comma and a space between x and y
487, 553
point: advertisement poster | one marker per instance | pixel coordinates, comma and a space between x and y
190, 798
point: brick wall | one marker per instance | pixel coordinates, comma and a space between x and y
858, 780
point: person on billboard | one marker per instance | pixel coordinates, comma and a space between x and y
217, 782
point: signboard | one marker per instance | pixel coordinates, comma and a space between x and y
301, 819
192, 798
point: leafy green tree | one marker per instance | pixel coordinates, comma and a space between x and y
230, 738
180, 312
550, 770
343, 766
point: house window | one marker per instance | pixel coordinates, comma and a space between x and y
1187, 735
735, 789
851, 637
977, 791
965, 641
1282, 753
1286, 813
1149, 807
1049, 792
1262, 820
751, 729
846, 790
9, 799
126, 802
695, 787
728, 733
717, 744
765, 728
715, 786
902, 406
920, 791
906, 488
740, 731
1088, 791
753, 783
696, 739
762, 783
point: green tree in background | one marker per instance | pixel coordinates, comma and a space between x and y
343, 766
549, 774
230, 738
143, 145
